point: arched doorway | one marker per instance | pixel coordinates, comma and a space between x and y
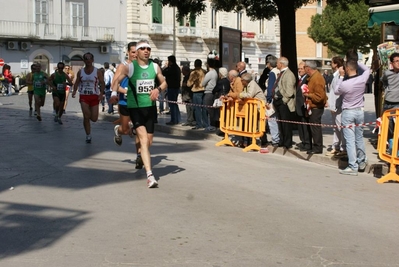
44, 62
76, 63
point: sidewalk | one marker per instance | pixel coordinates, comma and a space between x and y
375, 167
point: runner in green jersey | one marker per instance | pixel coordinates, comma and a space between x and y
141, 97
39, 81
58, 82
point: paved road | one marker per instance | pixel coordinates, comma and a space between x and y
66, 203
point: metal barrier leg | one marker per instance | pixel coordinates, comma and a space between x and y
391, 176
225, 141
252, 146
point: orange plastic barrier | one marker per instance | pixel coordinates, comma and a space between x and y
390, 156
243, 118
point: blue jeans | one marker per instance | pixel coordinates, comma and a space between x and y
201, 116
110, 105
354, 136
273, 127
173, 93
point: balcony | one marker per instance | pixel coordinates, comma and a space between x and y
42, 31
210, 34
160, 29
266, 38
194, 32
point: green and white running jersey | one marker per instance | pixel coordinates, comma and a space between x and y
141, 83
60, 82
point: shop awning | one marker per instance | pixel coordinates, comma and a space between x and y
383, 14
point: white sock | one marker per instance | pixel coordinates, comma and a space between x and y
149, 173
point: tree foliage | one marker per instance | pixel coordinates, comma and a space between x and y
343, 28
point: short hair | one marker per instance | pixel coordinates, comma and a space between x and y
351, 64
172, 59
246, 77
338, 60
267, 58
130, 45
61, 63
283, 61
198, 63
311, 64
272, 61
233, 73
211, 62
88, 54
392, 57
106, 65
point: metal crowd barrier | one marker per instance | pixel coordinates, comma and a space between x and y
387, 148
244, 118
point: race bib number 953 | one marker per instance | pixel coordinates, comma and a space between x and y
144, 86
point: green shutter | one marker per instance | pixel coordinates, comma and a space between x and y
192, 20
156, 11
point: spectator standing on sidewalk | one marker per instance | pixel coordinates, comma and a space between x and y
301, 113
316, 99
390, 81
334, 104
195, 82
209, 82
187, 97
352, 92
172, 75
108, 76
7, 75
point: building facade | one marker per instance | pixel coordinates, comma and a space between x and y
49, 31
306, 47
195, 37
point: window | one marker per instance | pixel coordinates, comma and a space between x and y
319, 3
77, 14
77, 18
188, 22
214, 21
41, 11
156, 11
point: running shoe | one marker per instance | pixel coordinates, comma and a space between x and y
30, 112
88, 139
139, 163
151, 181
117, 137
39, 118
55, 118
59, 121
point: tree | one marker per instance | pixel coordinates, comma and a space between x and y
257, 10
341, 29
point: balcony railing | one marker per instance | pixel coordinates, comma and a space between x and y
266, 38
30, 30
210, 34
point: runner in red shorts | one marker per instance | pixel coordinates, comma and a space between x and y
90, 82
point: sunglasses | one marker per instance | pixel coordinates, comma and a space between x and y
144, 48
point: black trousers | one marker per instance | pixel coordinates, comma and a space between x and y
316, 131
304, 131
285, 128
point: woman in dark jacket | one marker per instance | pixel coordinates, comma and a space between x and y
222, 88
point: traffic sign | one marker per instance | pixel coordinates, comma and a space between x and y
1, 62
